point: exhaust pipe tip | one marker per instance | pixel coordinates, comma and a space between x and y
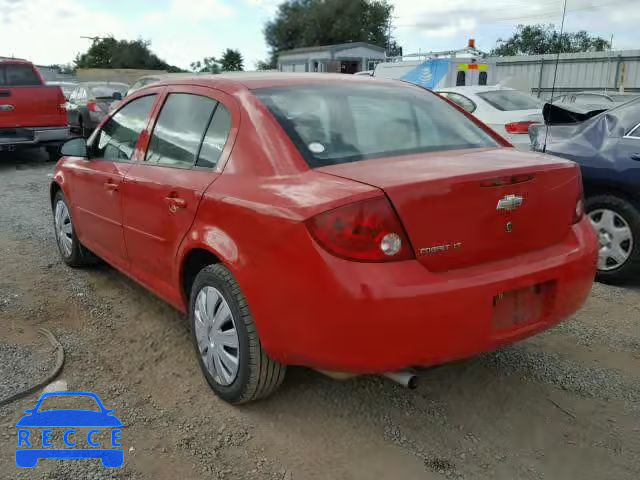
407, 379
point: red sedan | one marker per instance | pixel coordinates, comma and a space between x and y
336, 222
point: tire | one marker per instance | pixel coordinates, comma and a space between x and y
53, 153
74, 253
257, 375
626, 216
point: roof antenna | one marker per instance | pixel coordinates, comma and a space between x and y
555, 72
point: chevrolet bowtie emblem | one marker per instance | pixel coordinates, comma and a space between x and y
509, 203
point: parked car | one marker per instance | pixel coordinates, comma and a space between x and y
32, 114
595, 98
90, 102
149, 79
336, 222
67, 87
607, 148
508, 111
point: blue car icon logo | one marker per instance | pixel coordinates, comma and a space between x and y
33, 446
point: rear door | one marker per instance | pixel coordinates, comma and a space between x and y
96, 182
25, 101
161, 193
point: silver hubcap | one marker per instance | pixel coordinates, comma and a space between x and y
615, 237
216, 334
64, 229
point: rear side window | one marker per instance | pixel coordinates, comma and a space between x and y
18, 75
333, 124
179, 129
215, 139
509, 100
117, 139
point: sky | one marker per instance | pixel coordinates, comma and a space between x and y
182, 31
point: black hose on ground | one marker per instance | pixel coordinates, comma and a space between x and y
54, 373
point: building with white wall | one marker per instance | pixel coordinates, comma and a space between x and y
345, 58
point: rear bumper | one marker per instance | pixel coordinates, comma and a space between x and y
33, 136
371, 318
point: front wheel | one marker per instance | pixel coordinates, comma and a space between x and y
226, 340
71, 250
617, 224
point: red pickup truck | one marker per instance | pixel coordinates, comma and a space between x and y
32, 114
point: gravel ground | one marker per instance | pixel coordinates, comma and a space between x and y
565, 404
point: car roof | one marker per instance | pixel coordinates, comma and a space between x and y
15, 61
98, 84
253, 80
473, 89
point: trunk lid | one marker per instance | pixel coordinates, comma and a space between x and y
38, 106
459, 208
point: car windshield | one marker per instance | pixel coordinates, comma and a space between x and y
61, 402
107, 90
509, 100
333, 124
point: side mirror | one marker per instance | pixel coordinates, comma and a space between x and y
76, 147
117, 96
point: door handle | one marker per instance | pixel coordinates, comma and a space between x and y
635, 156
175, 203
110, 186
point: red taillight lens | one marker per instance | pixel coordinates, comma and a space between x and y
518, 127
367, 231
93, 106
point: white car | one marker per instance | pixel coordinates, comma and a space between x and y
509, 112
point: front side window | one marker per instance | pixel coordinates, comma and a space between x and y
461, 79
333, 124
179, 130
117, 139
509, 100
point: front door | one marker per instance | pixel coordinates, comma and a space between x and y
161, 193
97, 181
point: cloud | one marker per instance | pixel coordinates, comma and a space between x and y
194, 11
49, 32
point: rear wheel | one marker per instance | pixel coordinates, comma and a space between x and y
617, 224
226, 341
53, 152
71, 250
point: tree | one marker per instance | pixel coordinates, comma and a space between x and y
208, 64
308, 23
231, 61
111, 53
540, 39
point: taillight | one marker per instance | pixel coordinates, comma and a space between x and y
367, 231
92, 106
518, 127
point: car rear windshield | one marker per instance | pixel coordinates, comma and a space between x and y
18, 75
107, 91
509, 100
333, 124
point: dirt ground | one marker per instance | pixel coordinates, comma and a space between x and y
563, 405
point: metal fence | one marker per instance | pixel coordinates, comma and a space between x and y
589, 71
